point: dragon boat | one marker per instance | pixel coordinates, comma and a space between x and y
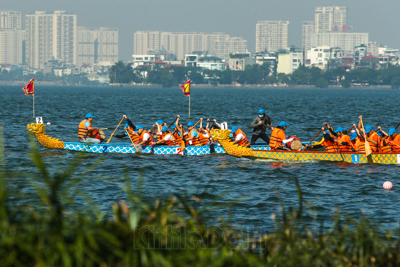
222, 136
124, 148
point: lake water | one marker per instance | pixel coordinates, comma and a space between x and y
353, 189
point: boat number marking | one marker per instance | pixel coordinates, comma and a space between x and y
104, 149
179, 151
355, 158
398, 158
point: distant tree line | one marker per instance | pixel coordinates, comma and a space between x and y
253, 74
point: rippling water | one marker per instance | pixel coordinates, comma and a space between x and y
351, 188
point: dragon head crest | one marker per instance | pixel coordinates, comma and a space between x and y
220, 134
36, 128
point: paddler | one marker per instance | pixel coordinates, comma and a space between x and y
278, 137
260, 125
129, 127
327, 142
360, 141
166, 138
192, 136
204, 134
343, 140
389, 141
372, 136
144, 137
178, 128
87, 133
239, 137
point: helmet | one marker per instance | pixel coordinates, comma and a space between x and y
261, 111
164, 129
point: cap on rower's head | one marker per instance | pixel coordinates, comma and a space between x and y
368, 128
190, 124
234, 129
353, 136
339, 129
173, 127
89, 115
261, 111
164, 129
160, 122
283, 124
139, 127
391, 131
126, 125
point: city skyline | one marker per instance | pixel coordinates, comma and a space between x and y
237, 18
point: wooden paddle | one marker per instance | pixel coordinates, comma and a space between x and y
313, 138
183, 141
368, 150
348, 131
109, 139
173, 122
397, 126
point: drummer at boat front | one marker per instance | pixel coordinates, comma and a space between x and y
260, 125
87, 133
278, 137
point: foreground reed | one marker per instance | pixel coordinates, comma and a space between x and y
53, 230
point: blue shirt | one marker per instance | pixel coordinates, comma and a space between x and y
194, 133
87, 124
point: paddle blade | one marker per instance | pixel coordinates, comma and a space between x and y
182, 145
368, 150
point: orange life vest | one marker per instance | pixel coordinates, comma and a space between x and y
360, 145
277, 136
242, 142
395, 140
384, 148
149, 141
375, 137
204, 139
168, 142
83, 132
195, 140
345, 148
330, 146
133, 136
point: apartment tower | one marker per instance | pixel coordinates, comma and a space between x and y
271, 35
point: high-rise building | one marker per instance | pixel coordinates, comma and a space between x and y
271, 35
347, 41
307, 29
51, 35
11, 46
10, 19
177, 43
231, 45
330, 18
97, 45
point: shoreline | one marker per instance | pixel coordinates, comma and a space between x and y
253, 86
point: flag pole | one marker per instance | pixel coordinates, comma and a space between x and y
33, 105
189, 106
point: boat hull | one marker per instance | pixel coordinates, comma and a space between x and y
125, 148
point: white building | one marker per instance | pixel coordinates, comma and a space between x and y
289, 61
239, 61
319, 56
51, 35
270, 59
97, 45
231, 45
206, 62
330, 18
10, 19
360, 52
345, 40
271, 35
308, 28
11, 46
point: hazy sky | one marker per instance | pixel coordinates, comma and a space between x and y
236, 17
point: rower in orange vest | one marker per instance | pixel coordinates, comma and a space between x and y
239, 137
204, 134
145, 138
387, 143
278, 137
394, 139
193, 135
166, 138
343, 140
86, 132
372, 136
360, 141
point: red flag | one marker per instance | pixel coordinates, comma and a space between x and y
186, 88
29, 89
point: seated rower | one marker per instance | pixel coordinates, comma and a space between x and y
87, 133
166, 138
387, 144
222, 126
278, 137
394, 139
360, 141
326, 142
178, 128
343, 140
158, 126
239, 137
204, 134
372, 136
129, 127
144, 137
192, 135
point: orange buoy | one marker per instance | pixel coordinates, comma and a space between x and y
387, 185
